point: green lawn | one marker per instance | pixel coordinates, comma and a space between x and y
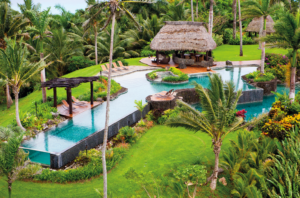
159, 149
251, 52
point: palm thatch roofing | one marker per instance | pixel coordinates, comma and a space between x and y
255, 25
183, 36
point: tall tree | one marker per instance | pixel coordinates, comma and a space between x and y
260, 8
40, 28
15, 69
217, 102
114, 7
241, 29
211, 16
234, 18
192, 8
287, 35
10, 25
96, 18
29, 5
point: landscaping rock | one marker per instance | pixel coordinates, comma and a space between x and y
45, 126
55, 115
228, 62
50, 122
280, 82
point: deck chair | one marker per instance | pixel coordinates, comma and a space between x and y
112, 69
122, 66
66, 105
78, 102
104, 69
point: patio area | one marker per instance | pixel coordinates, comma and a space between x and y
78, 109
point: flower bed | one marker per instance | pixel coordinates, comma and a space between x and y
277, 65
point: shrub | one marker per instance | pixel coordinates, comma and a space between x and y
145, 53
170, 113
227, 35
181, 77
246, 40
279, 71
272, 60
126, 134
218, 39
125, 63
259, 77
152, 75
79, 62
252, 75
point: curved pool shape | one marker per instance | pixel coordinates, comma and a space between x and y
68, 133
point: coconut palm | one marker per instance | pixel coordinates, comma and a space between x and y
176, 13
61, 47
287, 35
29, 5
260, 8
192, 9
40, 27
241, 29
234, 18
114, 7
9, 27
15, 70
96, 18
217, 102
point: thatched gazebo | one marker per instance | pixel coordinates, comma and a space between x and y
255, 25
183, 36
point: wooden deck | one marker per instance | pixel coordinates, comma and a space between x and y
79, 109
188, 70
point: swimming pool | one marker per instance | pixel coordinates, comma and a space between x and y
68, 133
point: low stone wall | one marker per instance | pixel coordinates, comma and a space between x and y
190, 96
58, 160
184, 61
268, 87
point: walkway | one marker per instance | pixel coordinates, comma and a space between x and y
131, 69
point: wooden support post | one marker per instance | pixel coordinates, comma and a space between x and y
255, 34
206, 56
70, 100
92, 93
55, 97
157, 55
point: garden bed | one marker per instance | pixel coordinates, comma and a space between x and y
268, 86
170, 76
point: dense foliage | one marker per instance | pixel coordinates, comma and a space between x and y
258, 77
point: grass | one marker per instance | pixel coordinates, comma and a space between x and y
159, 149
251, 52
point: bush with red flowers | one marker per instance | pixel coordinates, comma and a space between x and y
241, 113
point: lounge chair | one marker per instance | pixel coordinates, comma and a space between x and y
78, 102
122, 66
66, 105
104, 69
113, 69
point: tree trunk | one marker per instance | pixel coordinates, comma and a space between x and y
16, 93
262, 62
192, 10
43, 79
9, 101
217, 149
211, 16
241, 30
197, 5
107, 107
9, 181
261, 31
96, 50
293, 75
234, 18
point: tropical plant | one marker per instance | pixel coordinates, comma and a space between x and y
15, 69
262, 8
9, 131
61, 47
217, 101
29, 5
12, 160
114, 6
287, 36
64, 18
40, 23
176, 13
140, 106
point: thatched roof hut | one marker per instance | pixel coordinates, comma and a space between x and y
254, 25
183, 36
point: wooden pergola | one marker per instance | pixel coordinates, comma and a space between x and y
69, 83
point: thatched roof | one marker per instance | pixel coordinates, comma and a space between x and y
183, 35
254, 25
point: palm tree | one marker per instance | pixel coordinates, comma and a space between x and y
261, 8
64, 18
241, 29
140, 106
114, 6
29, 5
211, 16
287, 34
61, 47
9, 27
217, 102
234, 18
176, 13
192, 9
40, 29
96, 18
16, 70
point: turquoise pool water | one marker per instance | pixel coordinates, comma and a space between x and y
70, 132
